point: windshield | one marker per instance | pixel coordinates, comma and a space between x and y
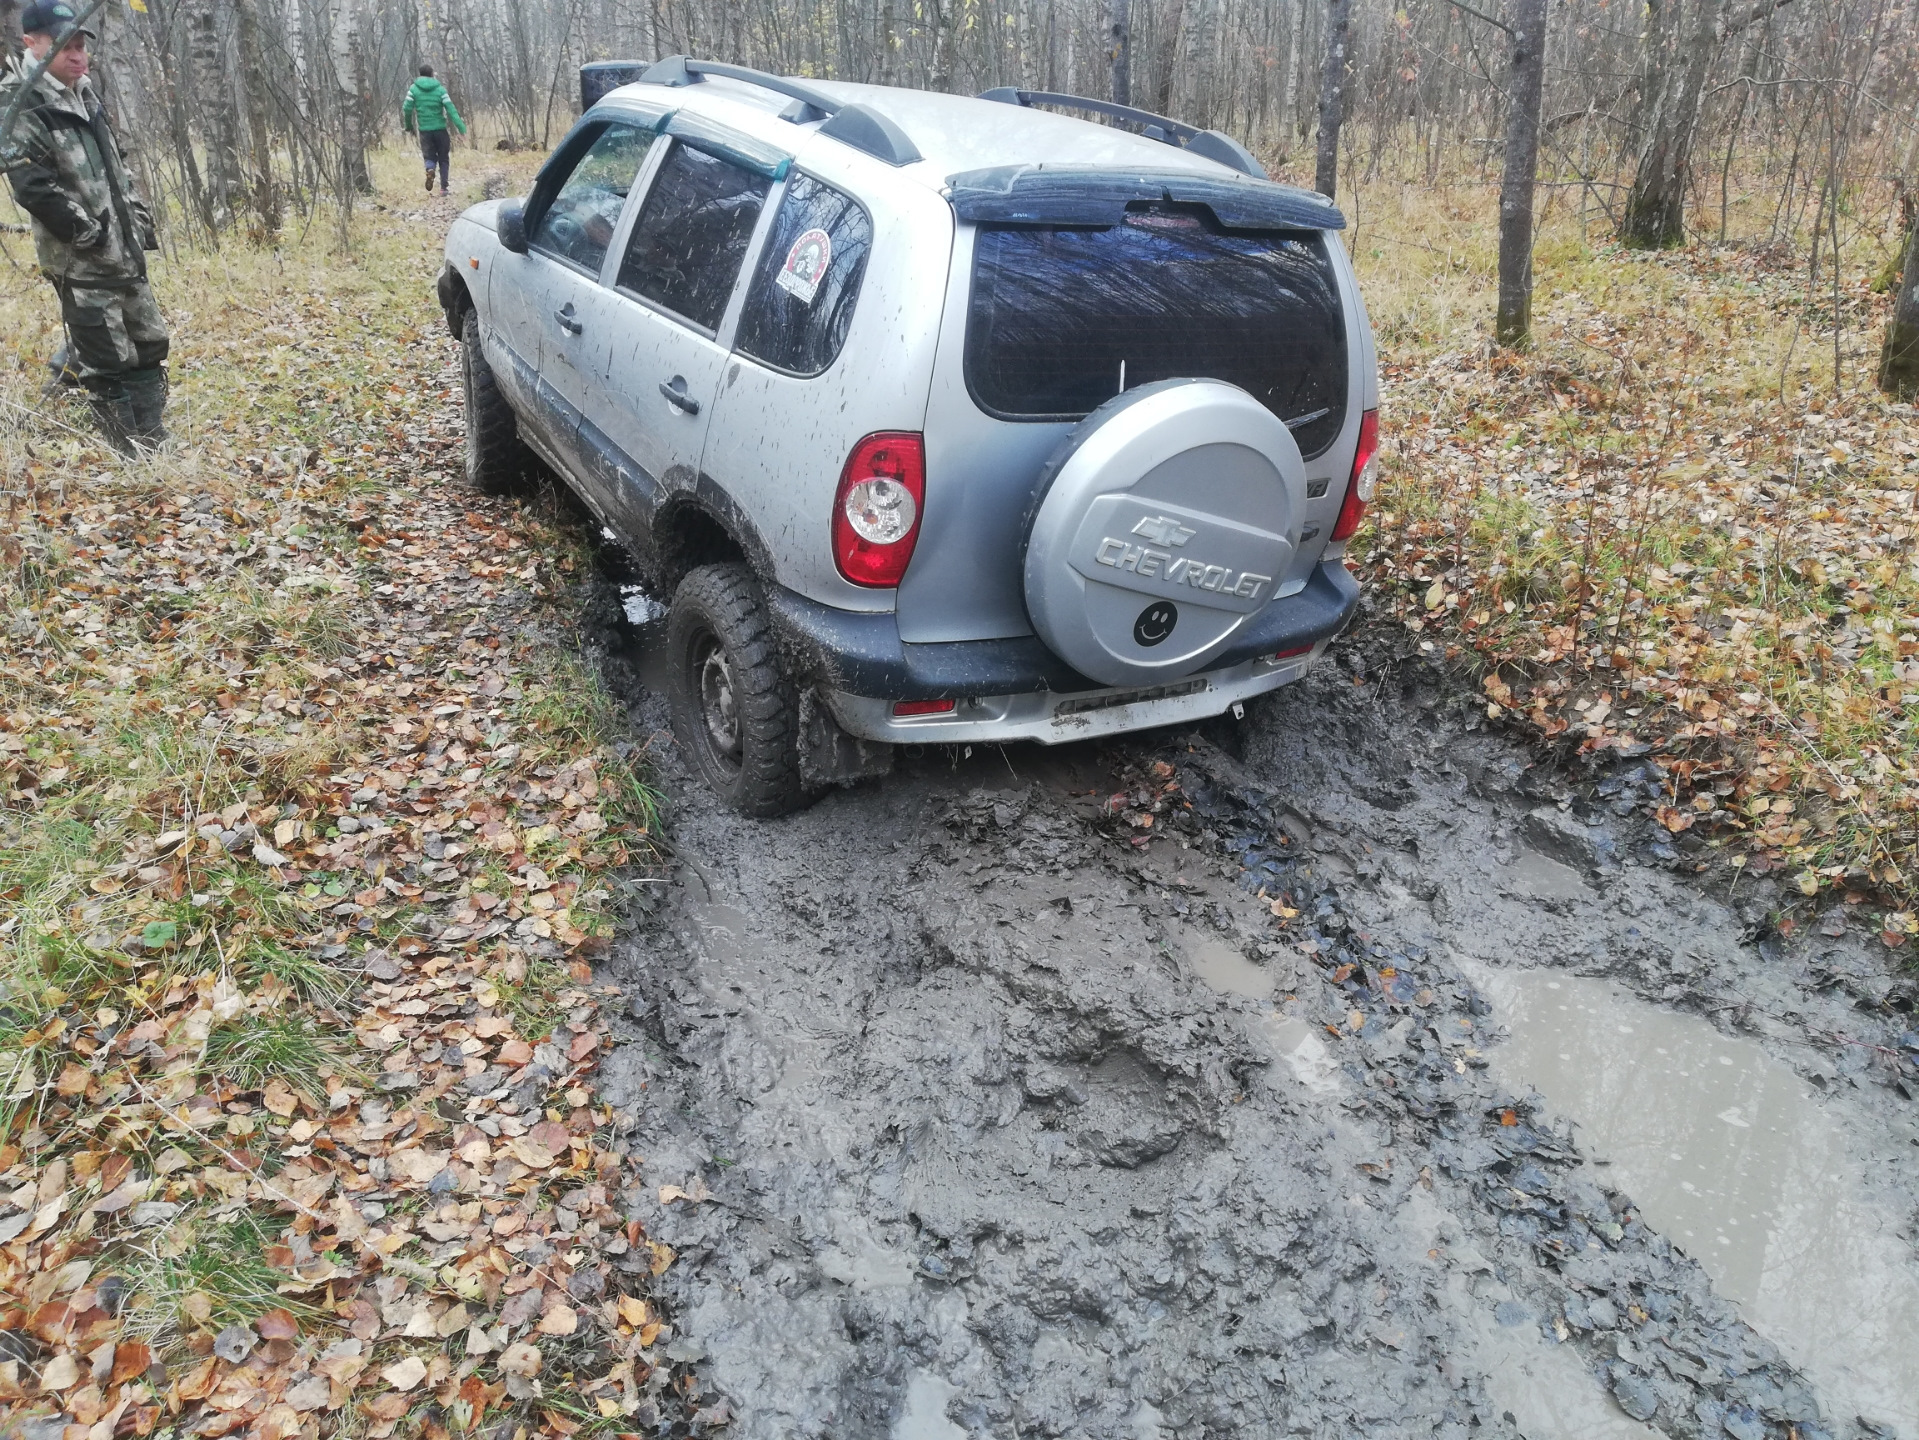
1064, 319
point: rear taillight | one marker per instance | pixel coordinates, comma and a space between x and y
1359, 489
876, 514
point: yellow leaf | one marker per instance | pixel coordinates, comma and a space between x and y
1436, 596
139, 7
560, 1320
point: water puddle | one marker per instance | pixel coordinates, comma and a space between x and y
1300, 1048
1223, 967
924, 1415
1728, 1154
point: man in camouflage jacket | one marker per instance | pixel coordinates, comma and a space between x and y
91, 230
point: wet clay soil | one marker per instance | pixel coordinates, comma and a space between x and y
1019, 1118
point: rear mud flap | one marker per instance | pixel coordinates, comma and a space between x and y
828, 755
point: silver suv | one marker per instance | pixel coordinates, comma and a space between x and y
940, 419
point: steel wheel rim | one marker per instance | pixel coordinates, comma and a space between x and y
717, 691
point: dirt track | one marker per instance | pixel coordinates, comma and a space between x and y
1019, 1117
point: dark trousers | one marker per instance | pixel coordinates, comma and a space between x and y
112, 330
436, 148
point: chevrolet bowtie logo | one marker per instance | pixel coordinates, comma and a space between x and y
1163, 530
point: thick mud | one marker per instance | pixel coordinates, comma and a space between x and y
1148, 1091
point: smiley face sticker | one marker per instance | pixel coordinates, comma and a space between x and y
1155, 622
805, 266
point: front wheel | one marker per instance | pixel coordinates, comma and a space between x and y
734, 709
497, 460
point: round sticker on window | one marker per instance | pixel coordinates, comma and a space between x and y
806, 265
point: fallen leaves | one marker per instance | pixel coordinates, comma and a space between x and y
1696, 580
306, 870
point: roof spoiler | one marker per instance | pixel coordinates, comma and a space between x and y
1098, 196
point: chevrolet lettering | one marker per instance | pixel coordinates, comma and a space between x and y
937, 419
1219, 579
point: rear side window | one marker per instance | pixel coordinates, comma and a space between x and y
808, 279
1062, 320
692, 234
578, 225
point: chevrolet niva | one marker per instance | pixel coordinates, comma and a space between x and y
940, 419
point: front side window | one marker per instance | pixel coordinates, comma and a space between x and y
692, 234
1064, 319
808, 279
579, 224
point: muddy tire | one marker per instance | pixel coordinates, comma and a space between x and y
736, 713
497, 460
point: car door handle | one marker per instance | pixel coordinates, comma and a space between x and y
567, 322
675, 392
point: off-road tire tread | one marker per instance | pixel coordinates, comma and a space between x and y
729, 599
497, 460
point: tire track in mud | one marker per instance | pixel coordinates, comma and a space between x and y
1014, 1127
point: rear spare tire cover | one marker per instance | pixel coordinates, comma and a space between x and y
1165, 521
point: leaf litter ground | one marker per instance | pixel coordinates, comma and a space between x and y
309, 827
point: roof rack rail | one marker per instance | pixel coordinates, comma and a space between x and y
857, 125
1213, 145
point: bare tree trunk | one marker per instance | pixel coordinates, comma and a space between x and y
262, 190
1332, 96
1206, 70
213, 99
946, 45
889, 46
10, 45
1166, 65
1899, 360
1672, 89
1513, 328
1295, 79
351, 77
1119, 49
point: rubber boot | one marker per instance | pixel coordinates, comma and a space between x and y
113, 414
147, 390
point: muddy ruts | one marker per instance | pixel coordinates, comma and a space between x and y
1411, 1033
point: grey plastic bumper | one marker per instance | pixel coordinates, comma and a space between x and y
1054, 719
858, 653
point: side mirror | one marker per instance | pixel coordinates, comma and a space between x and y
511, 224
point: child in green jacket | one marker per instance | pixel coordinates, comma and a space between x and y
429, 108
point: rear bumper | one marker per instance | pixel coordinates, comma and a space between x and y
1057, 719
859, 655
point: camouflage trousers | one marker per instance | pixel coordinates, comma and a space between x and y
111, 330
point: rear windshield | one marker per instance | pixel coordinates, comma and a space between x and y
1062, 320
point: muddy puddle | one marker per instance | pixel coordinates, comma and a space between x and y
1731, 1155
1019, 1120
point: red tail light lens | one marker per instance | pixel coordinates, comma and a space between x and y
1359, 489
876, 514
903, 708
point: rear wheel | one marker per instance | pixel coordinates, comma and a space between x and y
497, 460
734, 710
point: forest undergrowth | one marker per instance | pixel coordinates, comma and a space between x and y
1675, 539
312, 816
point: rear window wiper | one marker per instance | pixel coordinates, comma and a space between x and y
1308, 417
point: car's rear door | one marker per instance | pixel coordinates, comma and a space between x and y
657, 353
539, 298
